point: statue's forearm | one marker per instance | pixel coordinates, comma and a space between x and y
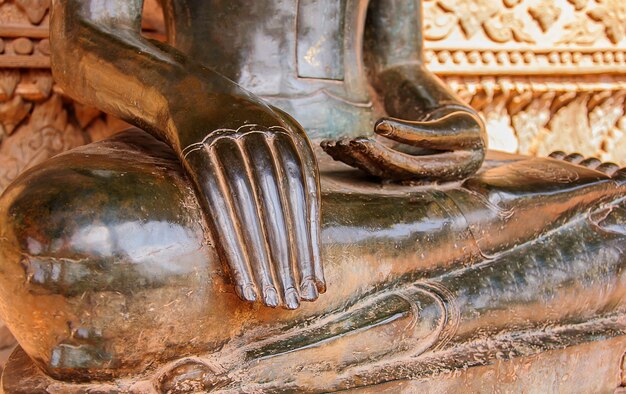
394, 44
100, 58
393, 33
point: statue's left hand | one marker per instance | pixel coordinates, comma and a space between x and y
449, 147
429, 133
260, 188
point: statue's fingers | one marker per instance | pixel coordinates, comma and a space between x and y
218, 204
311, 178
384, 162
313, 195
557, 155
593, 163
457, 130
353, 153
246, 208
266, 177
296, 200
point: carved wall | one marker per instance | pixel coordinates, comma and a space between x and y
545, 74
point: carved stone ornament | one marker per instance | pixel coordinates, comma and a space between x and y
561, 89
297, 204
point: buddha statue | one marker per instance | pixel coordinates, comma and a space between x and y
175, 257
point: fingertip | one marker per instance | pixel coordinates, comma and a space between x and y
291, 299
308, 290
271, 297
321, 285
383, 127
558, 155
608, 168
246, 293
591, 163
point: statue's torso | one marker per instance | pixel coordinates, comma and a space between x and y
302, 56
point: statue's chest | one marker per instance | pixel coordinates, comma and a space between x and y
271, 43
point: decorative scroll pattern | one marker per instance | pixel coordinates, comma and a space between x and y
538, 37
545, 74
534, 116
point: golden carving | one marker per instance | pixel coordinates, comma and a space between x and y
578, 4
507, 27
581, 32
612, 14
34, 9
546, 13
471, 15
559, 85
536, 116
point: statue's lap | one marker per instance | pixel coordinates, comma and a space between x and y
106, 264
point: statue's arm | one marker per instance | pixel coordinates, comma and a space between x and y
435, 135
251, 164
100, 57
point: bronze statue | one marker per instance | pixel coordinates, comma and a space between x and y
111, 255
192, 96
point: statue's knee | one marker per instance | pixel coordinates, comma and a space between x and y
96, 248
36, 266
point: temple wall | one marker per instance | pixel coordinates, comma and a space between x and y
545, 74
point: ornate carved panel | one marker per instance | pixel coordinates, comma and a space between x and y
546, 74
526, 37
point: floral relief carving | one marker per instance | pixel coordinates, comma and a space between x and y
512, 3
474, 16
535, 117
504, 21
578, 4
34, 9
12, 113
438, 24
506, 28
580, 31
546, 13
612, 14
471, 14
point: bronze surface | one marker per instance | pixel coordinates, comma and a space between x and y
108, 272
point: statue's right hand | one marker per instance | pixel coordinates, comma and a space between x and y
260, 191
